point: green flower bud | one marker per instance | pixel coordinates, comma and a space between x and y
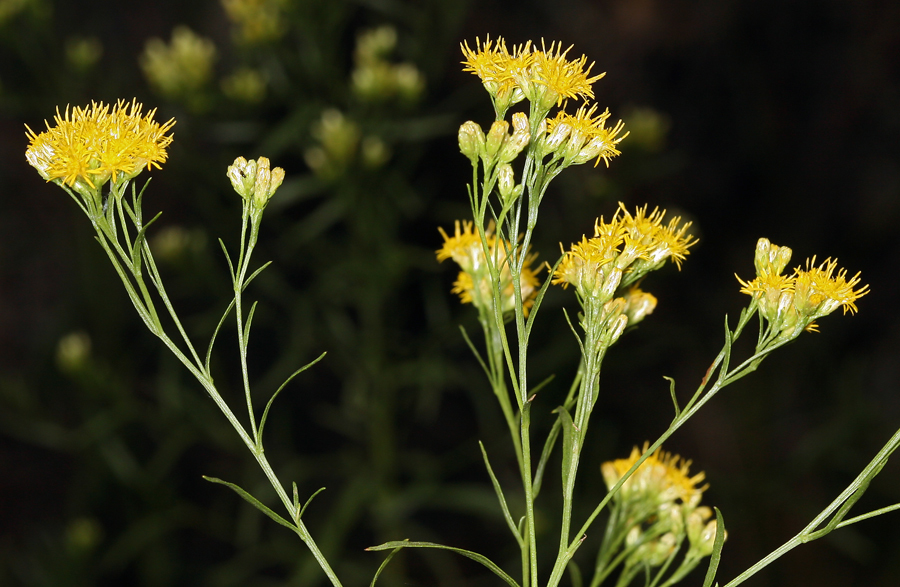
495, 138
471, 141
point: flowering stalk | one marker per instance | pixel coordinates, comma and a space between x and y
92, 147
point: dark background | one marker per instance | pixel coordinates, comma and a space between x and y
776, 119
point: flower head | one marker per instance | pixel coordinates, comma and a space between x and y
474, 284
820, 290
86, 147
661, 478
497, 68
792, 303
547, 77
588, 135
632, 244
559, 77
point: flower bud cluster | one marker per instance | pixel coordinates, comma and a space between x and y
499, 146
255, 181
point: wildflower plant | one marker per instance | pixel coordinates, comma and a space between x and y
657, 528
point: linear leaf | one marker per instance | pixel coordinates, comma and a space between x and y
262, 422
480, 558
500, 496
253, 501
717, 550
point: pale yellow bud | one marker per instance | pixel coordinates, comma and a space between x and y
242, 174
552, 142
495, 138
471, 141
770, 259
506, 181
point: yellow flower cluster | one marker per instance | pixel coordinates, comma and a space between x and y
547, 78
792, 303
474, 281
580, 137
660, 505
622, 251
544, 76
86, 147
662, 478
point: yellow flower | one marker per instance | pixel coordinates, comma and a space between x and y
588, 136
819, 291
92, 145
588, 264
792, 303
474, 281
497, 67
464, 247
662, 478
622, 251
561, 77
545, 76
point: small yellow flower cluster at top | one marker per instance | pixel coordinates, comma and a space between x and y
86, 147
792, 303
547, 78
622, 251
660, 505
474, 281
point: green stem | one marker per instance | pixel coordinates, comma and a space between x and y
809, 533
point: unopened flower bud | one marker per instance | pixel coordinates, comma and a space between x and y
612, 283
552, 141
267, 181
640, 304
770, 259
513, 145
471, 141
242, 174
617, 328
495, 138
520, 122
506, 181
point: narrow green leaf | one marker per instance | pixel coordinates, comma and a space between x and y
296, 495
542, 384
247, 324
500, 496
480, 558
729, 340
569, 440
308, 501
253, 501
254, 274
475, 351
228, 258
262, 422
672, 392
545, 457
717, 550
572, 328
538, 299
215, 333
383, 565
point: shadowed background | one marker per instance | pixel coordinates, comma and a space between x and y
749, 118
